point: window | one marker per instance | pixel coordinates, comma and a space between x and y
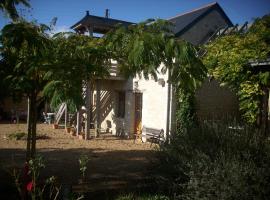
121, 104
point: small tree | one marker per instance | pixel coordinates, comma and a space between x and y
24, 50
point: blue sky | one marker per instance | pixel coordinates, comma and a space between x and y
69, 12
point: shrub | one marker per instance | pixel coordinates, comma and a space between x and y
83, 161
17, 136
215, 162
23, 136
142, 197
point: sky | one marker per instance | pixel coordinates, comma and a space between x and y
68, 12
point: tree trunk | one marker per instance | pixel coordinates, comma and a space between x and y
34, 126
264, 120
29, 128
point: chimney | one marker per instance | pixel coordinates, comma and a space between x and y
107, 13
87, 12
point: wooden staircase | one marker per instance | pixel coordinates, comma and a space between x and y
60, 113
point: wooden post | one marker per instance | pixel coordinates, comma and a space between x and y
66, 115
88, 110
78, 129
98, 107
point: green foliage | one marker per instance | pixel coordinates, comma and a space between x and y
75, 59
9, 7
17, 136
249, 97
23, 136
28, 181
142, 197
83, 160
150, 48
24, 52
215, 162
185, 111
228, 58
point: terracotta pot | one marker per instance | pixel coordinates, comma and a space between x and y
68, 130
81, 137
55, 126
72, 132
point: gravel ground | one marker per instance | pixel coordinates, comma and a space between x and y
113, 161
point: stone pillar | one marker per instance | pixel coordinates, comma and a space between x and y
129, 113
98, 122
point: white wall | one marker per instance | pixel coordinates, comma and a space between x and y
154, 111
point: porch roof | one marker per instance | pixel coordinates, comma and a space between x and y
98, 24
258, 66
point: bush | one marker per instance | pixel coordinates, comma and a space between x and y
215, 162
142, 197
23, 136
17, 136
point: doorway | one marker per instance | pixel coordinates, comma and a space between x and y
138, 113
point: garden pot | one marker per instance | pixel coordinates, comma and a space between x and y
81, 137
55, 126
72, 132
68, 129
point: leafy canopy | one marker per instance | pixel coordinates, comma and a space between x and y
9, 7
142, 48
24, 54
75, 59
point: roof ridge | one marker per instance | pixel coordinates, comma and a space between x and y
196, 9
109, 18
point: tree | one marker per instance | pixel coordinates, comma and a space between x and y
228, 61
150, 48
9, 7
24, 50
76, 59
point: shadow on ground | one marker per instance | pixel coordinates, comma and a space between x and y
109, 173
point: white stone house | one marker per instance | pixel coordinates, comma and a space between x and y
123, 106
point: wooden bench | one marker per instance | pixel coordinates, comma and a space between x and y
152, 134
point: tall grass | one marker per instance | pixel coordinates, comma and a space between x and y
216, 162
